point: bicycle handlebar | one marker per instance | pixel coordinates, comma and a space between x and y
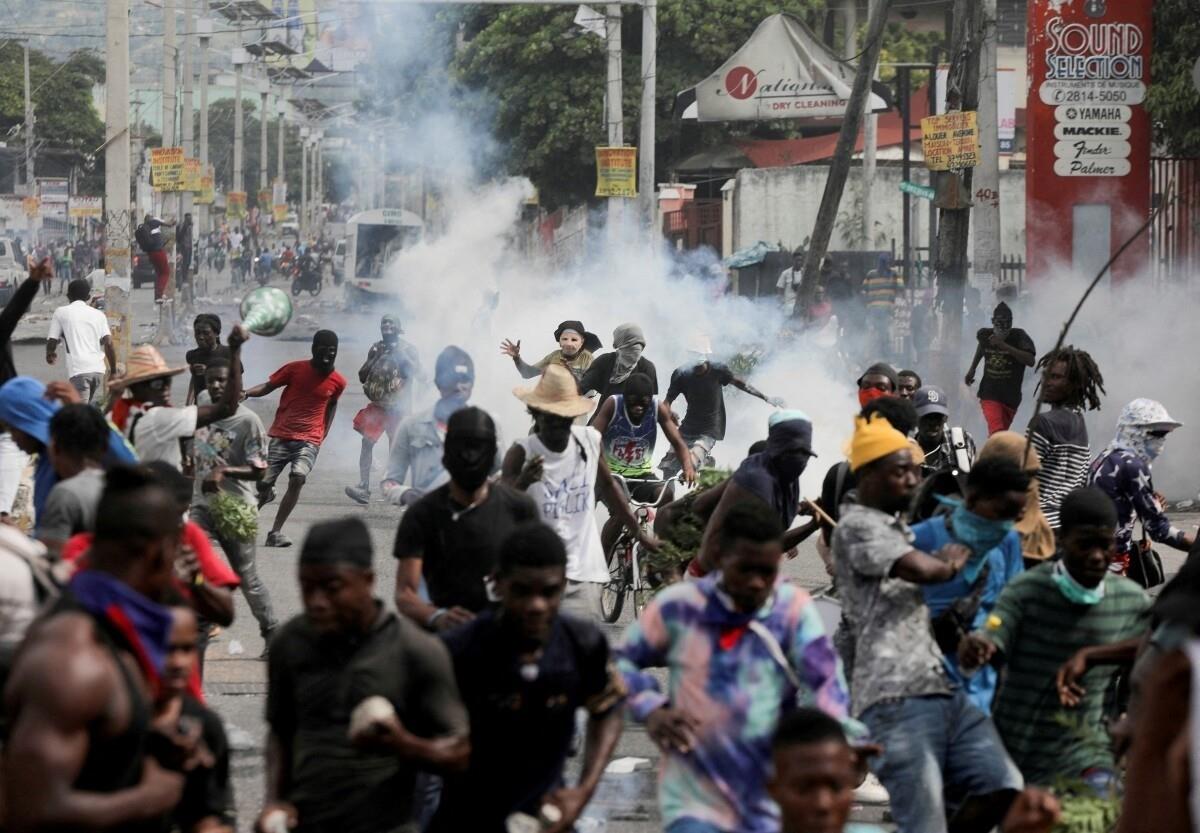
664, 485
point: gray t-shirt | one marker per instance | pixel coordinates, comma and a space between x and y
239, 440
71, 506
895, 654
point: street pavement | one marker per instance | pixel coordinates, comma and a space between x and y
235, 677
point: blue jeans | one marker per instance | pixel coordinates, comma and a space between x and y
691, 826
934, 746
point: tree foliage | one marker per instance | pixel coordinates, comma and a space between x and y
1172, 99
67, 127
544, 78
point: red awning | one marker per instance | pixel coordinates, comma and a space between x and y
775, 153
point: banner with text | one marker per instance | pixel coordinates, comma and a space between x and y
235, 205
616, 172
85, 207
192, 175
950, 141
166, 168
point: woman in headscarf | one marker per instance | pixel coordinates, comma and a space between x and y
609, 372
1122, 471
1037, 539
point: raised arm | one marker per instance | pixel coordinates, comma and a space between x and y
742, 385
23, 297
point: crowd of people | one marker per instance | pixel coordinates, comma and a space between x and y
992, 613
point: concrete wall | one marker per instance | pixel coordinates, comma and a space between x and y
780, 205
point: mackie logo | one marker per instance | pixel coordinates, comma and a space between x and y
741, 82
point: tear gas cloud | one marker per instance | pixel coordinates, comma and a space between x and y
473, 284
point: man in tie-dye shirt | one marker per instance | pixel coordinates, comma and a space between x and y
741, 650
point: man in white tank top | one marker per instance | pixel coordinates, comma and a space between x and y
559, 466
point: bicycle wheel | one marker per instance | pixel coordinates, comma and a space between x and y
612, 594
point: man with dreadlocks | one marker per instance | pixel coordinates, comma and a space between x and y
1071, 381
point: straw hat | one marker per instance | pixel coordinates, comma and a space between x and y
556, 393
145, 363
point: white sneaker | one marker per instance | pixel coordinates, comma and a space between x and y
871, 791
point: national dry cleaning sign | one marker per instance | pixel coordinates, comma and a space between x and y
783, 72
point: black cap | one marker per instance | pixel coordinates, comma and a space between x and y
882, 369
591, 341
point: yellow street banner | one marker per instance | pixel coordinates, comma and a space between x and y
32, 206
280, 211
235, 204
166, 168
616, 172
191, 175
950, 141
205, 195
85, 207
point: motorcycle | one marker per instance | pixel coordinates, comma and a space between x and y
217, 259
307, 276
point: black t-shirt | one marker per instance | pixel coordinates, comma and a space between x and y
316, 680
206, 792
459, 548
520, 729
200, 355
705, 397
597, 377
1002, 373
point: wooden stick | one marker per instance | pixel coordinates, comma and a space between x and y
819, 512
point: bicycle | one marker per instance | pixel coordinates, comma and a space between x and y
627, 572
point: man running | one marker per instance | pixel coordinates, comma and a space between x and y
78, 700
387, 377
1071, 381
84, 330
311, 390
702, 386
1005, 351
524, 670
576, 349
358, 699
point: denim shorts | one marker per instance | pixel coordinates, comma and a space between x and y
300, 454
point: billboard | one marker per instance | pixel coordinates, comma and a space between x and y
1087, 183
616, 172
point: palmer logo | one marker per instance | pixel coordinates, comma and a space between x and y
741, 82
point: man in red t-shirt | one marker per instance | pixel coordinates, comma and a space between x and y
310, 394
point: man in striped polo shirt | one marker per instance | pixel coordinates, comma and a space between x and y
1068, 612
1071, 381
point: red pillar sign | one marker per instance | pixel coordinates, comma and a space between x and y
1087, 178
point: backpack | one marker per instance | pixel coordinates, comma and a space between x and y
142, 235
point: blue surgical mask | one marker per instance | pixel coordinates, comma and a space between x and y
1072, 590
980, 535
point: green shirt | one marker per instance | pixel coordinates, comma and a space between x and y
1038, 630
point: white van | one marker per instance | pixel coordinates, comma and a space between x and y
12, 269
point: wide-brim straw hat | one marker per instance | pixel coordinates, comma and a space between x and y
145, 363
555, 393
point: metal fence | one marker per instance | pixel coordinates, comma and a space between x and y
1175, 237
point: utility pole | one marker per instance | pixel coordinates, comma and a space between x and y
614, 116
169, 104
118, 223
264, 183
204, 29
186, 113
870, 145
280, 173
647, 202
986, 222
843, 154
954, 189
238, 124
303, 218
318, 199
29, 176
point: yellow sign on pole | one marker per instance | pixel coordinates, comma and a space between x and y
191, 175
85, 207
616, 172
166, 168
235, 205
950, 141
32, 206
205, 195
280, 210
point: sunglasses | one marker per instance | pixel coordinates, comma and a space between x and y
1158, 435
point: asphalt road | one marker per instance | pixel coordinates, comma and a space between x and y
235, 679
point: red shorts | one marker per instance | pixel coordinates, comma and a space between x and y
373, 420
162, 272
998, 415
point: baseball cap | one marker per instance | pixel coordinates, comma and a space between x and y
930, 400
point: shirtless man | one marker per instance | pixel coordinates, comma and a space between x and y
79, 698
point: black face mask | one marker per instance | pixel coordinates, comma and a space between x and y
469, 460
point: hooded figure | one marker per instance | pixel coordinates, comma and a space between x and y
629, 342
1122, 471
25, 409
609, 372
